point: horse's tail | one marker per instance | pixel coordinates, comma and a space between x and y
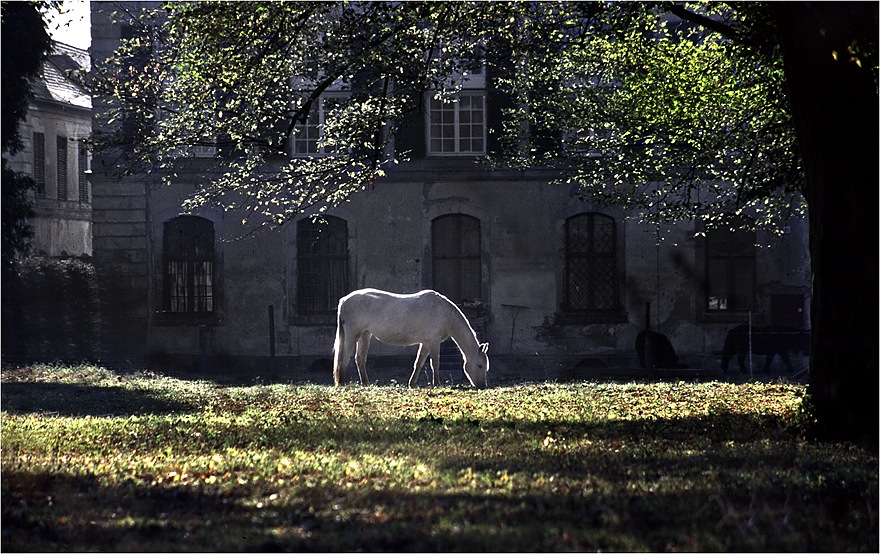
339, 352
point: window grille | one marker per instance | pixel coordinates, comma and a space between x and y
591, 264
457, 266
189, 265
322, 264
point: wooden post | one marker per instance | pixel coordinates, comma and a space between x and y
649, 342
272, 339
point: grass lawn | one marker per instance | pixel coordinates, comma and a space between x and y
96, 461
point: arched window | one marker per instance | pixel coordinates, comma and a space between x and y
188, 256
457, 267
591, 276
322, 264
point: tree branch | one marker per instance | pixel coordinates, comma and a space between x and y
710, 24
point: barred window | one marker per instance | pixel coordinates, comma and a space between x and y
40, 163
189, 265
322, 264
61, 164
457, 267
459, 126
730, 268
591, 278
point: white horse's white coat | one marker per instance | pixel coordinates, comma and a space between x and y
426, 318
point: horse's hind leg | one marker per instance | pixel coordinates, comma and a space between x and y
347, 348
786, 360
363, 347
435, 365
725, 361
420, 362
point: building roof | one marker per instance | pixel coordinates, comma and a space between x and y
63, 70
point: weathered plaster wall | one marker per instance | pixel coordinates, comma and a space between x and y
522, 226
61, 226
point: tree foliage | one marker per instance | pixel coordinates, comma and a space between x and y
25, 44
663, 116
244, 77
668, 119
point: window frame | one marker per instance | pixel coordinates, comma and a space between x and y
332, 265
460, 256
199, 260
320, 112
579, 260
457, 137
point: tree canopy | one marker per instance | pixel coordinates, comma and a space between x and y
665, 117
242, 77
640, 108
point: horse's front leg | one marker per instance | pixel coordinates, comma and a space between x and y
363, 347
420, 362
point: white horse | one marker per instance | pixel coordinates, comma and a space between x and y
426, 318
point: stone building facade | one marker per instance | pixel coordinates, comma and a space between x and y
55, 154
552, 282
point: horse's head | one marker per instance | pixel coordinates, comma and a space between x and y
476, 367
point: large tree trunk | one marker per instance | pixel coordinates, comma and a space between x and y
835, 107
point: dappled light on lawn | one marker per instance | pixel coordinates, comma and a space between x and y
167, 464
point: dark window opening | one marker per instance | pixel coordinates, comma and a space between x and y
189, 265
457, 265
322, 264
83, 173
62, 167
40, 163
730, 269
591, 278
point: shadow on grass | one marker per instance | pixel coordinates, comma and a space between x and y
721, 482
73, 399
73, 513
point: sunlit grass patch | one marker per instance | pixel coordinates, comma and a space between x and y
96, 460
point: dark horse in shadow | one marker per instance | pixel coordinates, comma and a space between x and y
766, 341
655, 351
